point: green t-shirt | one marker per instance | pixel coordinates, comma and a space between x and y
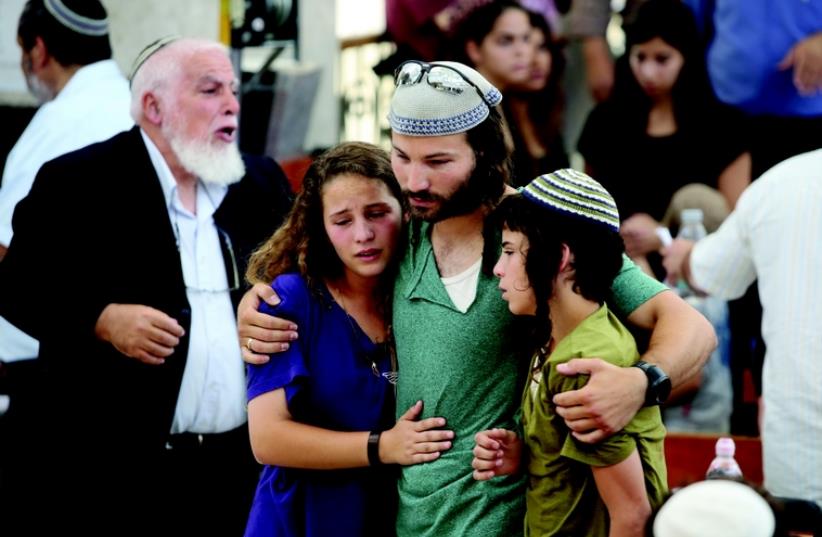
464, 367
562, 496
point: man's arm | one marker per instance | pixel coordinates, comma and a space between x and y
721, 264
261, 334
42, 253
677, 262
588, 22
681, 341
682, 338
599, 67
139, 332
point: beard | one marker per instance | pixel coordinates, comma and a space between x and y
467, 198
38, 89
214, 163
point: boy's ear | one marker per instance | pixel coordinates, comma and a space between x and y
566, 260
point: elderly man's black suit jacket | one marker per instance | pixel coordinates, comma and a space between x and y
95, 231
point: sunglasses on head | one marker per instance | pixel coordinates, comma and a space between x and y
440, 77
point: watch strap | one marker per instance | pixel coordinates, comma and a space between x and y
658, 388
374, 448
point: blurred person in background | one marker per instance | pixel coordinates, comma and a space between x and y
515, 49
534, 109
660, 140
773, 236
776, 83
83, 98
495, 39
662, 128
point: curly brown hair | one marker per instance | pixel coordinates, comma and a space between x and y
301, 244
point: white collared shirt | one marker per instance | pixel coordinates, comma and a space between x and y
92, 106
775, 235
212, 393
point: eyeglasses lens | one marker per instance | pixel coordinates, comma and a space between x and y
409, 74
445, 79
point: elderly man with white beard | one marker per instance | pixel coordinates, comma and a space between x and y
126, 264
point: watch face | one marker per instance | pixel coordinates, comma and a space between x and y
659, 385
662, 389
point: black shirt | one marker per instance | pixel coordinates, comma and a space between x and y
643, 172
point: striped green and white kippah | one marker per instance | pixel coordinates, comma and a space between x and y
570, 191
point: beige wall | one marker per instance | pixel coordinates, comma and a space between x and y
12, 85
134, 24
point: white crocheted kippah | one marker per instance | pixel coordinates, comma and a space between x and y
715, 507
423, 110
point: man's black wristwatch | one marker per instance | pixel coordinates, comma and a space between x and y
659, 385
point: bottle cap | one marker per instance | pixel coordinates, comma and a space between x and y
725, 447
690, 216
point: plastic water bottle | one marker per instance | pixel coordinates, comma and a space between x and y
724, 465
691, 228
690, 225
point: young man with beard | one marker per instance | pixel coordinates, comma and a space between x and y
457, 344
146, 235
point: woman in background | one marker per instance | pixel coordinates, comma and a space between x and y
534, 108
662, 128
515, 50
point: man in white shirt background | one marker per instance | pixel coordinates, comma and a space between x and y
83, 98
66, 60
774, 236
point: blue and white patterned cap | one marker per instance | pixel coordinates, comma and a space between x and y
421, 110
575, 193
75, 21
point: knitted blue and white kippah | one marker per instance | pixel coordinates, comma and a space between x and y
421, 110
574, 192
76, 22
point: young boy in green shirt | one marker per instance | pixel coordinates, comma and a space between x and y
560, 252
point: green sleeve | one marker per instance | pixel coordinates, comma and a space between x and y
610, 451
632, 288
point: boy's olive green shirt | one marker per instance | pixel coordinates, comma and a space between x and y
464, 367
562, 496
